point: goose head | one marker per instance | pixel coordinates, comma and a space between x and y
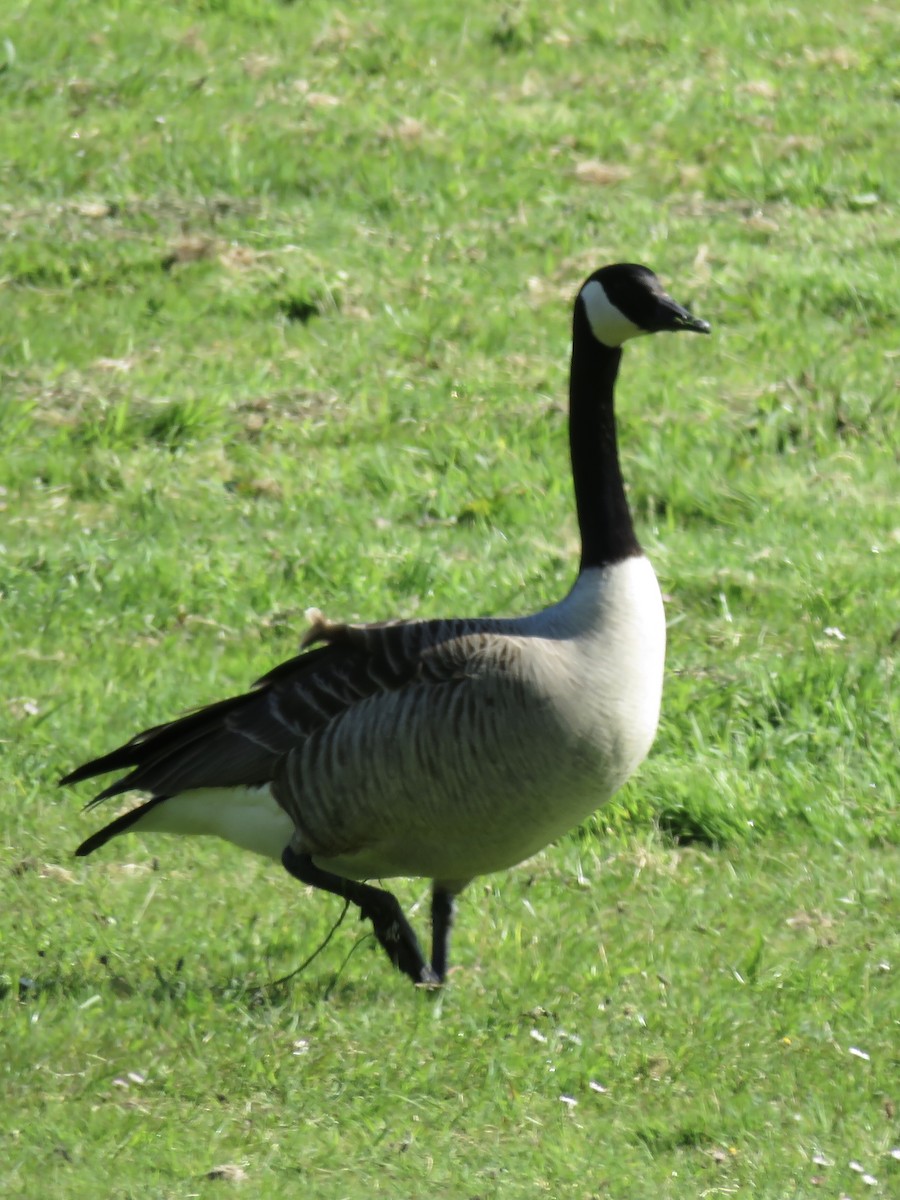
626, 300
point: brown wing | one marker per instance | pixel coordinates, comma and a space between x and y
241, 740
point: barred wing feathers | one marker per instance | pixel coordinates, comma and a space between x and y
242, 740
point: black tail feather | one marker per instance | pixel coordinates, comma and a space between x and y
119, 825
159, 740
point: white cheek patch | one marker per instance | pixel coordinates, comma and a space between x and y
610, 325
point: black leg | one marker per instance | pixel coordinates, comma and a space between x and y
443, 910
391, 928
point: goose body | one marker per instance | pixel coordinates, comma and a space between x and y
444, 749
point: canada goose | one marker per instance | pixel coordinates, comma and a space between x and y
444, 749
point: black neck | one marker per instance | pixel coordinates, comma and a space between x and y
607, 534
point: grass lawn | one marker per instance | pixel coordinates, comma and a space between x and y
286, 292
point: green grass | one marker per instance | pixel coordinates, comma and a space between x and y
286, 293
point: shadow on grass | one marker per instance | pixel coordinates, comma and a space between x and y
184, 988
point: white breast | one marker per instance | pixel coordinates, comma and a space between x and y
613, 625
